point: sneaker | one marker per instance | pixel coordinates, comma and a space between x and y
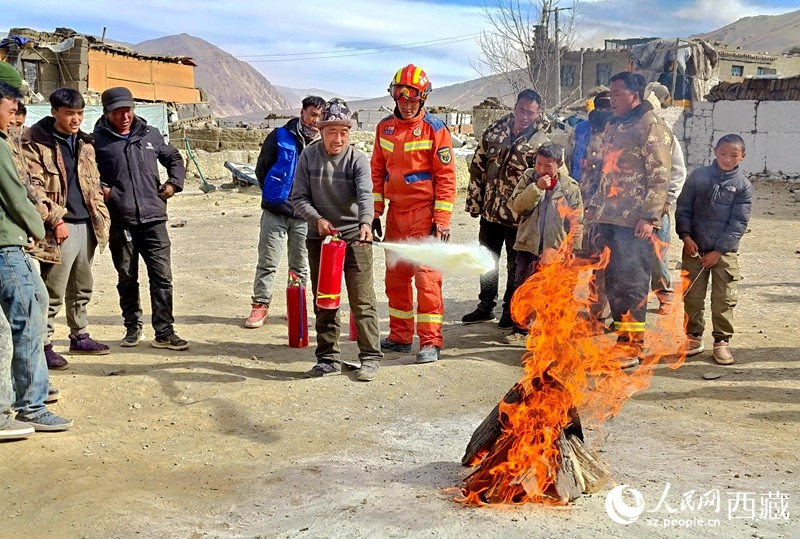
692, 346
133, 336
323, 368
516, 338
368, 371
505, 321
722, 353
47, 422
388, 345
173, 342
55, 361
83, 344
428, 354
258, 316
477, 316
53, 395
626, 355
15, 430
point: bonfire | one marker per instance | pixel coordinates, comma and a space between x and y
531, 446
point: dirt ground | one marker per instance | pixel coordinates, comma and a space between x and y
228, 440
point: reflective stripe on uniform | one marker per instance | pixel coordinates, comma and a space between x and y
387, 145
377, 197
430, 318
629, 326
443, 205
404, 315
416, 145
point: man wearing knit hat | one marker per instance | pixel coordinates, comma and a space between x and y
9, 75
333, 193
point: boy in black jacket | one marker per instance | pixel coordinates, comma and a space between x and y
711, 217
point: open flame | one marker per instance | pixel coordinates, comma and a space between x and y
566, 368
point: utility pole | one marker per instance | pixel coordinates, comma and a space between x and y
558, 53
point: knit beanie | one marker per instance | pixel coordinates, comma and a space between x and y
9, 75
335, 112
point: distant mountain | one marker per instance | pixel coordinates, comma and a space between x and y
233, 87
762, 33
295, 96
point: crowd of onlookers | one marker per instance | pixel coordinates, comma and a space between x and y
65, 194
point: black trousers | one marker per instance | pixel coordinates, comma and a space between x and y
493, 236
627, 278
151, 241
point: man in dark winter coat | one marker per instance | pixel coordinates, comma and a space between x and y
280, 224
128, 152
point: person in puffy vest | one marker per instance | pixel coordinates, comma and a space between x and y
280, 224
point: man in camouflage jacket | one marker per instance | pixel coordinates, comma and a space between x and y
64, 176
628, 205
507, 148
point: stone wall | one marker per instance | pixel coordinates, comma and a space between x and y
769, 128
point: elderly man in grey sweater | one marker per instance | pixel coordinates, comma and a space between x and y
333, 193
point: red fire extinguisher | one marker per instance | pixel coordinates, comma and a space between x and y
353, 329
297, 312
331, 267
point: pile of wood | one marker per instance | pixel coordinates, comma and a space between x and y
576, 470
761, 89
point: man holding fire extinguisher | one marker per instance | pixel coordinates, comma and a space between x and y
412, 166
333, 193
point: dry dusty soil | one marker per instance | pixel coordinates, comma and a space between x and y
228, 440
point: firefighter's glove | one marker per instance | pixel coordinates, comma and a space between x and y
443, 234
377, 230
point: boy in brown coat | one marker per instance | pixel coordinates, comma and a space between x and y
64, 175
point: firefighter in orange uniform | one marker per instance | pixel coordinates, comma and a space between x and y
413, 171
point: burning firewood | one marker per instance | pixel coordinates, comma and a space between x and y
530, 448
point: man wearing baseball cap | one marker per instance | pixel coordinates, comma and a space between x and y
128, 152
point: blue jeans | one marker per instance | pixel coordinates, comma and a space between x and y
24, 300
277, 231
6, 387
660, 280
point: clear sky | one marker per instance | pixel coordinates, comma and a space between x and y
364, 41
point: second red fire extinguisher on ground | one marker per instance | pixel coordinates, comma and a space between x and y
297, 312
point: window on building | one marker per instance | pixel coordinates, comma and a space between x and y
30, 72
568, 75
766, 71
737, 71
603, 74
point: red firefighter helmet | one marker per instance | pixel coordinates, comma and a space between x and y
410, 83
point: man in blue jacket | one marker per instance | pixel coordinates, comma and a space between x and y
280, 224
128, 152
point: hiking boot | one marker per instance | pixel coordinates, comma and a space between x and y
368, 371
53, 395
722, 353
323, 368
85, 345
505, 321
626, 355
692, 346
133, 336
477, 316
388, 345
428, 354
55, 361
15, 430
258, 316
46, 422
172, 342
516, 338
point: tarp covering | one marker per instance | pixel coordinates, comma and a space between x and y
155, 114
